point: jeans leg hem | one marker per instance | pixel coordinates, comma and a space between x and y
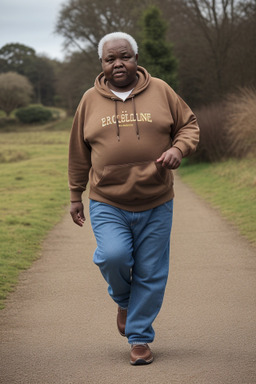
140, 342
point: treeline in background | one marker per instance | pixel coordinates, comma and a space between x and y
205, 49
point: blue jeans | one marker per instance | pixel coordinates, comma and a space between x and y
133, 256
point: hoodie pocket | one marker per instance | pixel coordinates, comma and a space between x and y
127, 182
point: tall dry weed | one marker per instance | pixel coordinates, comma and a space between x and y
213, 145
241, 122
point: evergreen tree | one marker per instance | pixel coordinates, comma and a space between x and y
155, 53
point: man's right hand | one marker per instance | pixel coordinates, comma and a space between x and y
77, 213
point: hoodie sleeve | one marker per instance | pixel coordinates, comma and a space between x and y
79, 156
185, 131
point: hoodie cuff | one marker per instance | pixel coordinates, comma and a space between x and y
75, 196
182, 147
174, 146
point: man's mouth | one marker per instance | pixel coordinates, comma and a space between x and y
119, 73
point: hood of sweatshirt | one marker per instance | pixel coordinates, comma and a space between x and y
143, 82
102, 87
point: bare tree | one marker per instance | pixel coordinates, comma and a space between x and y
206, 35
217, 22
243, 64
84, 22
75, 76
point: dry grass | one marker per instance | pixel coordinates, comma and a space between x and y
241, 123
213, 144
228, 129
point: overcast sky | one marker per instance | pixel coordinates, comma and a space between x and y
32, 23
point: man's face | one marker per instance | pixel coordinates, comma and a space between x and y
119, 64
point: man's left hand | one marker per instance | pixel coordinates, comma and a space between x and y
170, 159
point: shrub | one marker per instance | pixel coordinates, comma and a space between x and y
15, 91
241, 123
34, 114
213, 145
228, 129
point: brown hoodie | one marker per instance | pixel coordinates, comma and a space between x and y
114, 144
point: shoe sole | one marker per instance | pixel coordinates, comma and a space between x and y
142, 361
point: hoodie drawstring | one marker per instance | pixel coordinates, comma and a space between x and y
135, 117
117, 123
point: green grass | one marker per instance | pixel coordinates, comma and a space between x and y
34, 193
230, 187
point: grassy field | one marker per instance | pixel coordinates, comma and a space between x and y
230, 187
34, 192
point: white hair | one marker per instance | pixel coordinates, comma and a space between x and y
117, 36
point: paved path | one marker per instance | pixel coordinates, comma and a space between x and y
59, 325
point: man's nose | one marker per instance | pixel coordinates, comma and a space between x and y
118, 63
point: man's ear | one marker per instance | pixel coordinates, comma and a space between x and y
136, 57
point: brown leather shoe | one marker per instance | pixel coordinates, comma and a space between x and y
141, 354
121, 320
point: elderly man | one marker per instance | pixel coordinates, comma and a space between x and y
129, 131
